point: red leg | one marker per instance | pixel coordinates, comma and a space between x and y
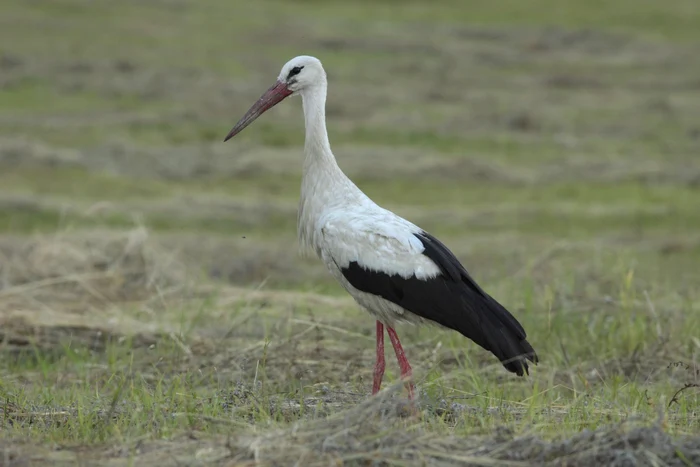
379, 366
406, 371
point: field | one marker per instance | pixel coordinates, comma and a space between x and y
154, 309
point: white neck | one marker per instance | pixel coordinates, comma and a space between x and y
316, 147
323, 184
320, 169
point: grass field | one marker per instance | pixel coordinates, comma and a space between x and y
153, 307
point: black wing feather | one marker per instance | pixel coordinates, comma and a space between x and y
454, 300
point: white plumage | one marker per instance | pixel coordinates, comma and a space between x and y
392, 268
378, 240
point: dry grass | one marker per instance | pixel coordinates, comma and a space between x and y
85, 305
377, 430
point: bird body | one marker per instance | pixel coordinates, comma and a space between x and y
392, 268
340, 224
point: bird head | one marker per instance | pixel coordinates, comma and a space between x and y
296, 77
302, 72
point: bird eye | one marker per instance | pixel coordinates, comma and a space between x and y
294, 71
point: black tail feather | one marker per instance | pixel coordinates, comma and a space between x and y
497, 331
480, 317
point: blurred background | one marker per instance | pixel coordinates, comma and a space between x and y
553, 145
507, 128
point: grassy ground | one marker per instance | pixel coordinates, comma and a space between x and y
153, 307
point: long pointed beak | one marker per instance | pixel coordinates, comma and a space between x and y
272, 97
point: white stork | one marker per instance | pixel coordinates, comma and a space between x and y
393, 269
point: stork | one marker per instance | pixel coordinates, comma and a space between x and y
393, 269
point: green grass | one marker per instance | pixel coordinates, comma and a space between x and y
552, 145
32, 97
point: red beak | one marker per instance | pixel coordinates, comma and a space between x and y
272, 97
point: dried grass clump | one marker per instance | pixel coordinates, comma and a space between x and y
73, 288
379, 432
95, 266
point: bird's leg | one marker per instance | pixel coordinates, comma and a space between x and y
406, 371
379, 366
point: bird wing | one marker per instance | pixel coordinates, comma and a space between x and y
379, 241
380, 253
